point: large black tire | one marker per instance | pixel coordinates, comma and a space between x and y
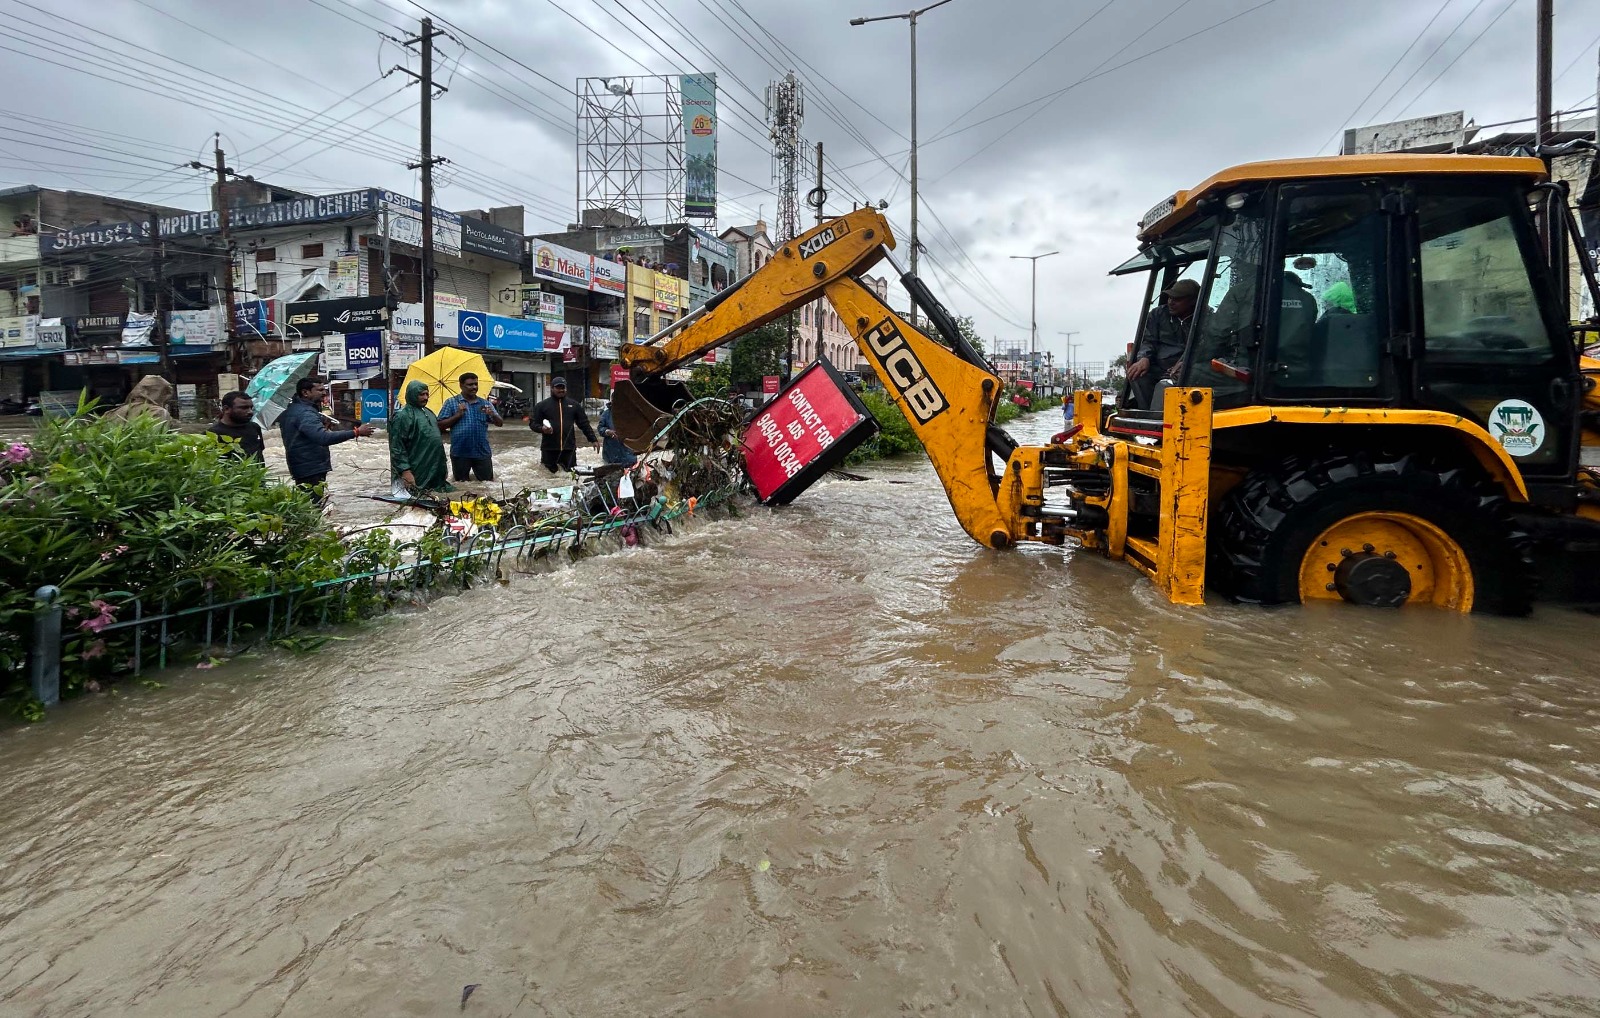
1265, 525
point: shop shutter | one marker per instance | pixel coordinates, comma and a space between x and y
473, 287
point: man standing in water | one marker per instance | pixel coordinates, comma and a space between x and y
467, 418
307, 436
237, 424
558, 420
416, 447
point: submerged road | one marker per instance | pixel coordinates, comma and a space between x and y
831, 760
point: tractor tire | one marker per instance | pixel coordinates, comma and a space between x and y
1374, 529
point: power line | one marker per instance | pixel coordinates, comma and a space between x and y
1503, 12
1392, 68
1425, 61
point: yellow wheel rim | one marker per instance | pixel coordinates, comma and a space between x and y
1384, 542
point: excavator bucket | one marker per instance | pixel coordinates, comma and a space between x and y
639, 411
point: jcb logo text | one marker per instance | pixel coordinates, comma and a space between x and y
812, 245
909, 376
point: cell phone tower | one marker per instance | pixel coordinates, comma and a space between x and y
785, 112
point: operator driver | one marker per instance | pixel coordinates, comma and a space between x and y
1166, 332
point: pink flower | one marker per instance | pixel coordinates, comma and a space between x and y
107, 615
94, 650
18, 453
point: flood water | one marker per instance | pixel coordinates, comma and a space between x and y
830, 760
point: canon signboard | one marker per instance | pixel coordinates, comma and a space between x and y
346, 314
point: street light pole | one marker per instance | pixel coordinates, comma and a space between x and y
1072, 359
910, 16
1033, 309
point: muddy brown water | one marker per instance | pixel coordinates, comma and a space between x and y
830, 760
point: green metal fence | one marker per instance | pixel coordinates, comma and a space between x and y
372, 585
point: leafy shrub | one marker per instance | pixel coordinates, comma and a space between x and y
110, 510
894, 437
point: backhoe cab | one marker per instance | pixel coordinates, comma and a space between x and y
1381, 400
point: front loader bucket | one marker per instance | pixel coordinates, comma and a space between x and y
639, 411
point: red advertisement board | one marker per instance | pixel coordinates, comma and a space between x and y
802, 433
770, 384
619, 373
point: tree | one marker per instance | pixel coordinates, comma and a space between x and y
759, 353
970, 331
1117, 377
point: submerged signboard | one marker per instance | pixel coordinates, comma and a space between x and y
803, 433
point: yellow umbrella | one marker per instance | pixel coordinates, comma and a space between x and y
441, 371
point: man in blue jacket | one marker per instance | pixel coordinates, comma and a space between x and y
307, 435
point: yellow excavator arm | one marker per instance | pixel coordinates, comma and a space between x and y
947, 395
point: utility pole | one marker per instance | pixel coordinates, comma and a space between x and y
388, 307
785, 112
818, 197
158, 328
1072, 359
1033, 332
425, 79
912, 17
235, 349
1546, 31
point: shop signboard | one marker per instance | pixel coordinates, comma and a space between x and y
136, 328
19, 330
363, 350
489, 240
345, 314
561, 264
619, 373
604, 342
251, 317
609, 277
502, 332
374, 405
770, 385
345, 205
97, 325
51, 334
552, 307
474, 330
403, 355
408, 321
192, 328
405, 224
556, 340
344, 280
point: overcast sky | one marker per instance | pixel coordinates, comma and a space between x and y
111, 95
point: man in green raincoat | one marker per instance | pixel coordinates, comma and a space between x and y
416, 447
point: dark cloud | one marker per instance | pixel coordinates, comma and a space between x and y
1073, 176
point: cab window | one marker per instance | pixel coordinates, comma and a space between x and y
1225, 330
1478, 301
1329, 321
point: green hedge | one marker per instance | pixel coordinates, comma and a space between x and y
100, 507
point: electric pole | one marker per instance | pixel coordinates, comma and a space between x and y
158, 328
1542, 87
819, 197
425, 37
785, 111
235, 350
912, 17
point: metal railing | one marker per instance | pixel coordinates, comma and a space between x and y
368, 587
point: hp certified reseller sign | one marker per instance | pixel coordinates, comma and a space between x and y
474, 329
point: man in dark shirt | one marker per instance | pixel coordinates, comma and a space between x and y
238, 424
1166, 333
558, 420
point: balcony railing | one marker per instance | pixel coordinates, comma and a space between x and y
19, 249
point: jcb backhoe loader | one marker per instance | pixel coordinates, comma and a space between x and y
1381, 401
